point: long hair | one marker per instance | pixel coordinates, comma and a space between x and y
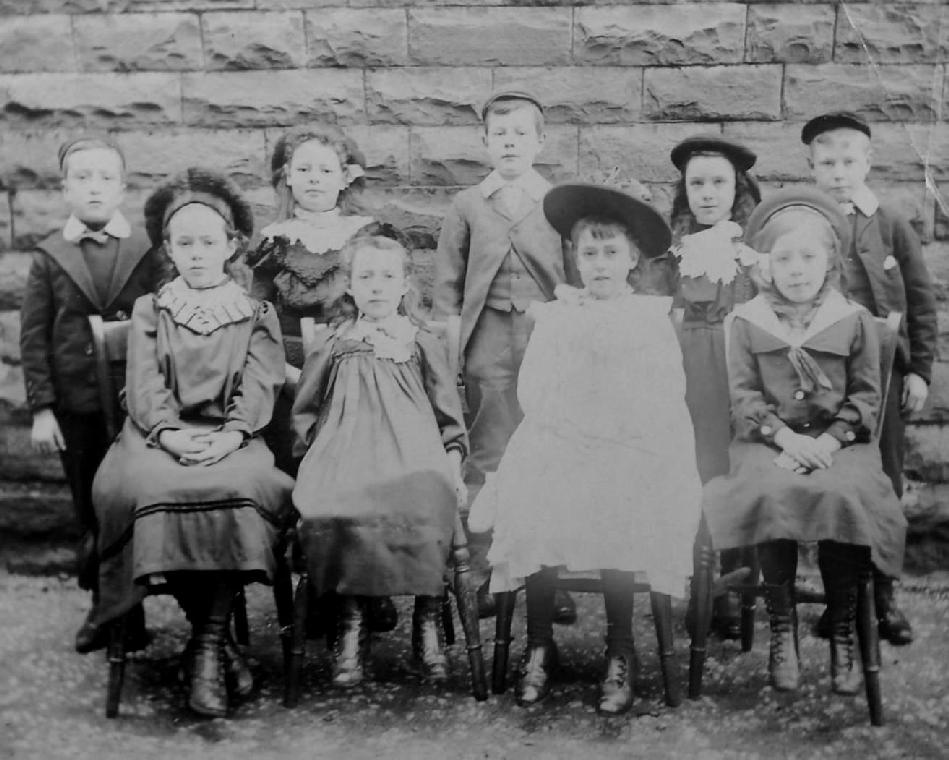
330, 136
345, 309
747, 196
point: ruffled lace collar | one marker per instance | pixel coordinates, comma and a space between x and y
715, 253
319, 232
205, 310
392, 338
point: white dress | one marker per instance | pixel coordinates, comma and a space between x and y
601, 472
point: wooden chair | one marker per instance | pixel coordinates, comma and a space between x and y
465, 594
110, 344
744, 580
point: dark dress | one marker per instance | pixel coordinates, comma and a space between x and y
158, 516
375, 489
852, 501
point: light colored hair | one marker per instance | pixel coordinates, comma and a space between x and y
409, 306
88, 143
603, 228
510, 105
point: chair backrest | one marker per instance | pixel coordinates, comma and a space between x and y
888, 329
110, 344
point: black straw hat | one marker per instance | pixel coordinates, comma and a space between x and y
740, 156
567, 204
510, 95
833, 120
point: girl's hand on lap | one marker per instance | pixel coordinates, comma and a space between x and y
804, 450
217, 446
181, 443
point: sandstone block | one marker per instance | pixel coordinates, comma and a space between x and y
659, 35
416, 211
99, 100
788, 32
30, 158
262, 40
942, 346
926, 447
908, 198
427, 96
156, 155
36, 43
12, 388
641, 151
37, 511
713, 93
578, 94
490, 36
781, 155
6, 224
267, 98
879, 93
139, 42
30, 7
183, 5
357, 37
941, 222
937, 405
891, 33
14, 268
17, 460
290, 5
456, 156
936, 255
10, 337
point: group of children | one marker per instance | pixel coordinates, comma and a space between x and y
610, 365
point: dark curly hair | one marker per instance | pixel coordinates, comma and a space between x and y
747, 196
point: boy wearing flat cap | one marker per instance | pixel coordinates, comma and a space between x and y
884, 271
96, 264
496, 254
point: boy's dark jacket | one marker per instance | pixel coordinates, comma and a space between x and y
55, 338
906, 287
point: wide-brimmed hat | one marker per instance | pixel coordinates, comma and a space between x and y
566, 204
833, 120
741, 157
197, 185
510, 95
799, 197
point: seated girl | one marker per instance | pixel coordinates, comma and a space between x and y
804, 373
379, 418
601, 473
188, 494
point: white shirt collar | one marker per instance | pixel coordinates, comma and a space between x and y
117, 227
530, 182
864, 201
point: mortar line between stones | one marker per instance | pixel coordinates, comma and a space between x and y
744, 42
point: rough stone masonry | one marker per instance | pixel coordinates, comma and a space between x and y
213, 82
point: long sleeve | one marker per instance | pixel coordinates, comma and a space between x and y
263, 265
152, 405
451, 262
920, 299
754, 417
250, 406
312, 390
855, 419
36, 316
442, 392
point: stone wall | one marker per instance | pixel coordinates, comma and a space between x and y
214, 81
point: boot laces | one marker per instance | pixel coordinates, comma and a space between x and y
617, 670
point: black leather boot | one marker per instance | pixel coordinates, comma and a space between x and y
351, 647
428, 639
616, 688
842, 612
783, 661
893, 625
535, 670
208, 688
239, 679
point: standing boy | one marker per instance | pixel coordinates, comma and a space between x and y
496, 254
95, 265
884, 271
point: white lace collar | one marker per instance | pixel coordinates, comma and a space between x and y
204, 310
392, 338
319, 233
715, 253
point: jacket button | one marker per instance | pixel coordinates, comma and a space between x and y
765, 430
799, 395
89, 349
850, 435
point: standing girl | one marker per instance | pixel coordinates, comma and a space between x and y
380, 418
600, 474
188, 494
804, 368
710, 275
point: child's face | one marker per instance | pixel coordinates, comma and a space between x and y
604, 263
377, 282
710, 188
198, 245
798, 264
840, 162
512, 141
94, 184
315, 176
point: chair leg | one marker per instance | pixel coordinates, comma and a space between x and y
701, 603
468, 612
116, 659
448, 623
749, 604
291, 696
869, 639
504, 602
283, 601
662, 616
241, 628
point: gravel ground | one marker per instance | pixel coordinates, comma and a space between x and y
51, 700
